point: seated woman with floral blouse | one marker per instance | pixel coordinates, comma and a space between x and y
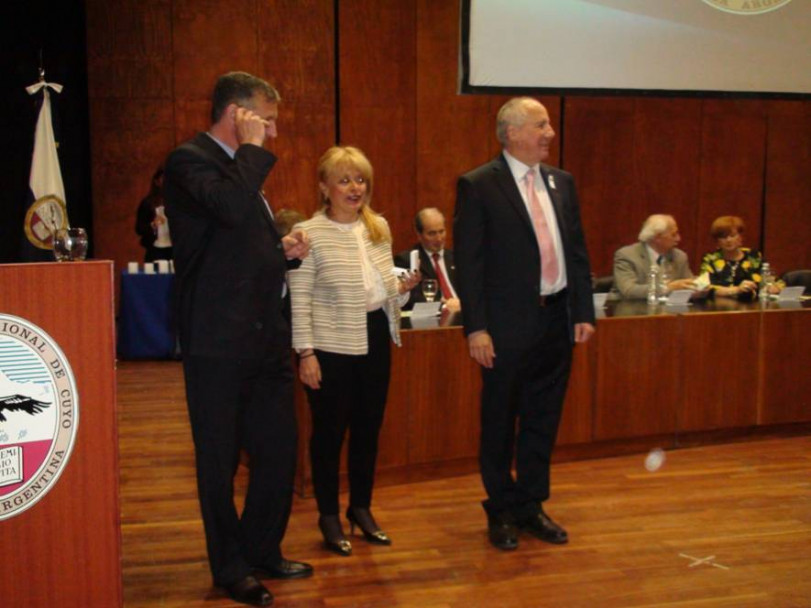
733, 270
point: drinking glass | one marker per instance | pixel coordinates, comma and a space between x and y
429, 289
70, 244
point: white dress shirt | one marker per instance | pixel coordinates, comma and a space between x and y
519, 171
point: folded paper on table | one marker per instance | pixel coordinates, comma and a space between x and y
425, 309
679, 297
791, 294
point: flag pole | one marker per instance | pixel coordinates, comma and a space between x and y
47, 211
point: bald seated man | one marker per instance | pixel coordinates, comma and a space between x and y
436, 262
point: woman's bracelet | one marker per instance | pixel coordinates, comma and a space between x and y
310, 354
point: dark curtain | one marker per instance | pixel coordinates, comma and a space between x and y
57, 29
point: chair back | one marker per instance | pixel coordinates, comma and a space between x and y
796, 278
603, 284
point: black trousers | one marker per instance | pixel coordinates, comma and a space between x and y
526, 386
352, 396
248, 404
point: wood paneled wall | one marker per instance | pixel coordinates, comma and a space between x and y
152, 64
788, 184
132, 114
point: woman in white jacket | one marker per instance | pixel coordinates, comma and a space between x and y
346, 308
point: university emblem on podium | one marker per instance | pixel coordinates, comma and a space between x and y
39, 414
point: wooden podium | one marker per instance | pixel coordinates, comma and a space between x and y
65, 550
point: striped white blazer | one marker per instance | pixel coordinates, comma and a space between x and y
327, 294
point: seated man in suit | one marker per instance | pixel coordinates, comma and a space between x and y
436, 262
657, 245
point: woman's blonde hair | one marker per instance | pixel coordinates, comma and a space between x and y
342, 158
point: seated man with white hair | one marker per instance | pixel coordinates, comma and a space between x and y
657, 245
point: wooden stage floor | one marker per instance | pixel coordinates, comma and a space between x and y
718, 526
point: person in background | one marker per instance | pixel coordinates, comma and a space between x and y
151, 223
436, 261
657, 245
346, 302
733, 270
285, 219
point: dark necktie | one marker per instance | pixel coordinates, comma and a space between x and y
447, 294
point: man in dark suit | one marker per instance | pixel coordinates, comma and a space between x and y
235, 337
524, 281
436, 262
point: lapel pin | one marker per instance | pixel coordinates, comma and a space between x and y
552, 182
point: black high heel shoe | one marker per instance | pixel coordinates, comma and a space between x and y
334, 539
362, 518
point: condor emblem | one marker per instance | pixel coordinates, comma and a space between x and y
39, 414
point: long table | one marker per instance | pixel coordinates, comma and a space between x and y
145, 320
651, 376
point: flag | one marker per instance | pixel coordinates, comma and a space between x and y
46, 210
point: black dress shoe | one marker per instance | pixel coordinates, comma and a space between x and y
362, 518
249, 591
543, 527
502, 532
284, 569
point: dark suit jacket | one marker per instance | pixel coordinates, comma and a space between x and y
229, 261
402, 260
498, 263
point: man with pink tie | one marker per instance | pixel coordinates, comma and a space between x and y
523, 277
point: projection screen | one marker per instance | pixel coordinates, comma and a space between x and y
716, 46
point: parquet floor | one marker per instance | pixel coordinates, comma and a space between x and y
720, 526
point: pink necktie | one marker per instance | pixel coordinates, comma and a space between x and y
549, 260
